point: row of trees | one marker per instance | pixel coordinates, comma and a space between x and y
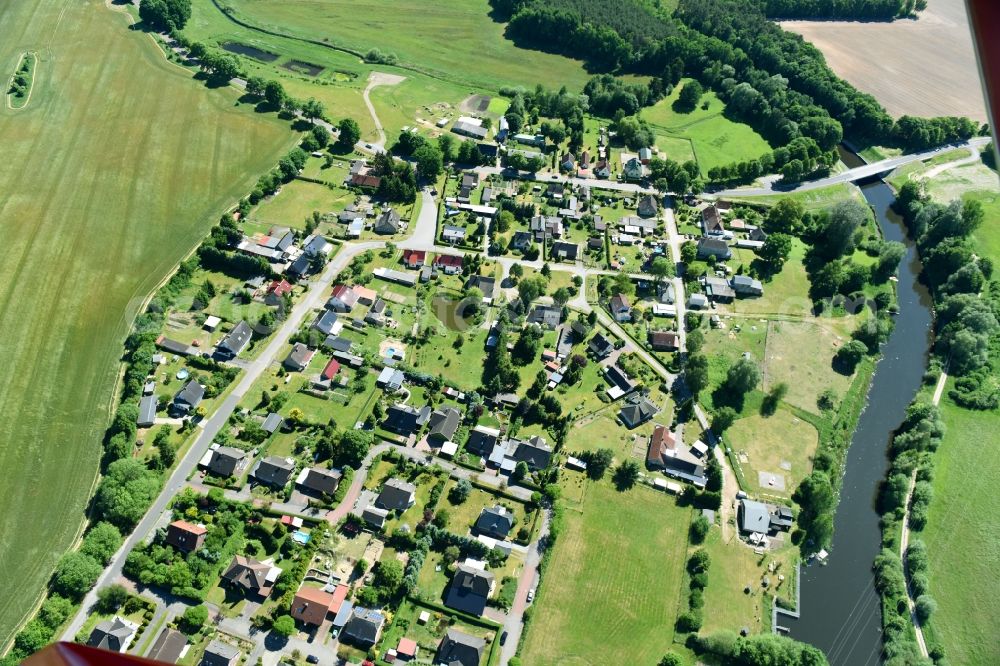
885, 10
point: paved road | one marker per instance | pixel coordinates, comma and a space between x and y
514, 624
857, 173
314, 298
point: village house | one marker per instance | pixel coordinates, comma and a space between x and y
664, 340
718, 289
546, 316
636, 411
648, 206
224, 461
319, 480
443, 423
458, 648
448, 264
633, 169
298, 357
744, 285
521, 240
390, 379
453, 235
220, 654
664, 455
364, 628
600, 346
711, 221
482, 440
184, 536
274, 471
250, 576
114, 635
620, 308
470, 589
342, 299
713, 247
188, 398
396, 495
495, 522
276, 292
414, 258
235, 341
402, 419
388, 222
602, 169
562, 251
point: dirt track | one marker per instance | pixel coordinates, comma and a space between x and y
925, 67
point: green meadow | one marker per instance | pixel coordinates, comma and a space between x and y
704, 134
113, 171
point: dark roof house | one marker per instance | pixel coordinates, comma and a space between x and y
396, 495
274, 471
458, 648
495, 522
363, 628
443, 424
235, 341
636, 411
470, 589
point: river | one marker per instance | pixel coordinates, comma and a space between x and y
840, 610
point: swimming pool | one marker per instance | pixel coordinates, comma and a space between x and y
301, 537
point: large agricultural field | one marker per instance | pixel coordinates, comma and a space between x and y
94, 215
456, 40
614, 578
923, 67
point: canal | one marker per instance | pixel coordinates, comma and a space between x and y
840, 610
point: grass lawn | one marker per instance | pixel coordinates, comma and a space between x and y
591, 605
297, 201
807, 375
457, 41
817, 199
705, 133
961, 535
786, 293
102, 211
978, 182
735, 567
782, 445
427, 636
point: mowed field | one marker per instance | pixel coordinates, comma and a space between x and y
116, 168
962, 536
610, 593
925, 67
457, 39
704, 134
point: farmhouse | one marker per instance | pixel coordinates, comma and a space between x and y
251, 576
466, 128
184, 536
470, 589
319, 480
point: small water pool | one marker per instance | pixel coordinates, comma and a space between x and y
183, 373
301, 537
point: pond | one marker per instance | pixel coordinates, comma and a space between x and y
250, 51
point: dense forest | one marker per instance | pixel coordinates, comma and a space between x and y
770, 79
868, 10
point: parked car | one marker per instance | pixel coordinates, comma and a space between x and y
503, 638
531, 595
312, 659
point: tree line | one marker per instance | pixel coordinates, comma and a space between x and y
868, 10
